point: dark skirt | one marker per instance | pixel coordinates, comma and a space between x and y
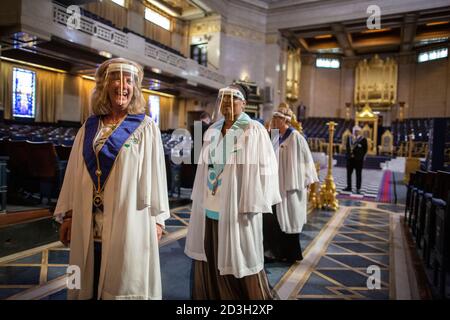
97, 265
208, 284
277, 244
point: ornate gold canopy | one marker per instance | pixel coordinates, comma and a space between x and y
368, 121
376, 82
293, 74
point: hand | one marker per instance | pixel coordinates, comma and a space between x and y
159, 231
64, 231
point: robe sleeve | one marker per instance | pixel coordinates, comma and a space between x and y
65, 198
307, 163
268, 170
299, 167
152, 188
259, 186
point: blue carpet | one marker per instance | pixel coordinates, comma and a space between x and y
175, 271
19, 275
55, 272
58, 256
8, 292
60, 295
342, 272
33, 259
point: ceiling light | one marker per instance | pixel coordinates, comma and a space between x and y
105, 54
436, 23
324, 36
376, 30
162, 94
88, 78
32, 65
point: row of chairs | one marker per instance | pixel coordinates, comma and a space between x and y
34, 167
40, 167
418, 126
37, 133
427, 213
3, 184
317, 128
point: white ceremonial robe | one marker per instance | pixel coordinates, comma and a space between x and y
296, 172
135, 199
249, 187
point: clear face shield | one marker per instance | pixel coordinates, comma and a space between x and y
278, 117
230, 101
121, 79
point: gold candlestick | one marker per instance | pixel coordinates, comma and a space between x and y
328, 189
314, 196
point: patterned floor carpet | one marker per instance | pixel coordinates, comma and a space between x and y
372, 185
360, 240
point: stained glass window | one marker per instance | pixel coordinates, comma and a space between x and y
154, 108
24, 93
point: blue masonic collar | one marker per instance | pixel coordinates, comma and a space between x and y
110, 150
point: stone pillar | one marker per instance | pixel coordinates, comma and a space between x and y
406, 82
307, 82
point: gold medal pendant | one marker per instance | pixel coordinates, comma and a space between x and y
98, 200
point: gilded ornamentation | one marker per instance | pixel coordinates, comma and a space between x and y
328, 190
376, 82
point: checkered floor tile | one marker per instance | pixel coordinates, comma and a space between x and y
371, 181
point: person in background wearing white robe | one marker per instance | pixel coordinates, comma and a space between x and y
236, 181
113, 202
296, 173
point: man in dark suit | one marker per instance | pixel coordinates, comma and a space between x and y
356, 151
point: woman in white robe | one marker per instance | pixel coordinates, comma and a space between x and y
296, 172
236, 181
113, 202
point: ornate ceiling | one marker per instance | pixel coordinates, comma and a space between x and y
398, 33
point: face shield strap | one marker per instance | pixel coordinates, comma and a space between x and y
232, 108
123, 67
121, 84
221, 100
232, 91
279, 114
